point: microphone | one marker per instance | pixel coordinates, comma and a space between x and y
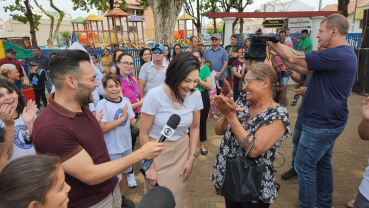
166, 133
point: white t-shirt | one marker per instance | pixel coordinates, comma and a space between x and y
119, 139
20, 148
288, 39
157, 103
213, 75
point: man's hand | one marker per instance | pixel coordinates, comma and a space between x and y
151, 150
365, 108
301, 91
288, 72
217, 76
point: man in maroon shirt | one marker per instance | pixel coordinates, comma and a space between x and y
10, 59
68, 129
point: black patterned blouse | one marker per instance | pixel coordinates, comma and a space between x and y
229, 145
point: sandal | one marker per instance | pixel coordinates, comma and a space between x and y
204, 152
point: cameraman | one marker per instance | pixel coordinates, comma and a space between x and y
325, 107
299, 78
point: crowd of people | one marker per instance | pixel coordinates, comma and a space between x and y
79, 151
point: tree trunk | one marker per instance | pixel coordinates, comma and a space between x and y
198, 23
241, 30
29, 15
165, 20
215, 26
111, 4
234, 24
342, 6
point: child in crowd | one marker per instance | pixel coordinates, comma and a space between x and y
38, 77
34, 181
213, 91
13, 109
116, 122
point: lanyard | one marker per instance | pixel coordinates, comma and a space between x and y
131, 85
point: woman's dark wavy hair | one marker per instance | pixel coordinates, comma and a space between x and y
11, 88
142, 62
117, 72
265, 71
179, 68
115, 61
174, 51
27, 179
168, 51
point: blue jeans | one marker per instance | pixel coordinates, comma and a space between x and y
283, 77
228, 72
48, 85
220, 85
296, 138
314, 168
235, 92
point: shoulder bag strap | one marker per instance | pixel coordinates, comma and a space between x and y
243, 143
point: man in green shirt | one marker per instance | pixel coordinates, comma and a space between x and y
305, 44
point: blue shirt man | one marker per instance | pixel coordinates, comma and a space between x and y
324, 107
43, 64
218, 57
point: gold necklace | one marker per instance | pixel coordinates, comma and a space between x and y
171, 99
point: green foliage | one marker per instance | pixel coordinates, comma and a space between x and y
210, 6
210, 30
103, 5
20, 7
65, 35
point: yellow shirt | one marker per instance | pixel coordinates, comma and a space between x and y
103, 60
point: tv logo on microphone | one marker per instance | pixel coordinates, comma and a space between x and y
167, 131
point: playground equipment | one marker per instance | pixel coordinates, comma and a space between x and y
96, 40
76, 23
184, 41
138, 43
113, 14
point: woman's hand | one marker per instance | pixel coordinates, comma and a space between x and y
187, 168
29, 112
6, 115
226, 106
151, 175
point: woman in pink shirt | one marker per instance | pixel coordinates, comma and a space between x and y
125, 66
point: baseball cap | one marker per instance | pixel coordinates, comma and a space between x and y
10, 50
158, 46
33, 63
216, 35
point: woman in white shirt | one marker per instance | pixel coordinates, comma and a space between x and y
178, 95
167, 58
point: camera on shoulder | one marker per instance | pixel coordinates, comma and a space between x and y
257, 48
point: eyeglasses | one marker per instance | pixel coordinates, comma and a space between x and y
248, 80
126, 63
214, 39
13, 53
241, 52
199, 45
159, 52
296, 97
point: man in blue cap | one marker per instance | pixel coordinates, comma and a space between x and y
10, 59
152, 74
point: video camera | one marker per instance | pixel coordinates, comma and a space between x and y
257, 48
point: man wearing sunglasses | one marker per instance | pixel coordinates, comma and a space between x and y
152, 74
218, 57
10, 59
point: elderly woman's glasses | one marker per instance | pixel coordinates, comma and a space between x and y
296, 97
248, 80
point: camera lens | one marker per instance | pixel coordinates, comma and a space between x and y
258, 50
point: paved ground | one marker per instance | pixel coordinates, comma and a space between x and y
350, 158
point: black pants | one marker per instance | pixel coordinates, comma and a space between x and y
204, 114
134, 138
40, 93
231, 204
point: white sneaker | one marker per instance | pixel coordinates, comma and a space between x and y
131, 180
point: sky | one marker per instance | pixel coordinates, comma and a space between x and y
66, 5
